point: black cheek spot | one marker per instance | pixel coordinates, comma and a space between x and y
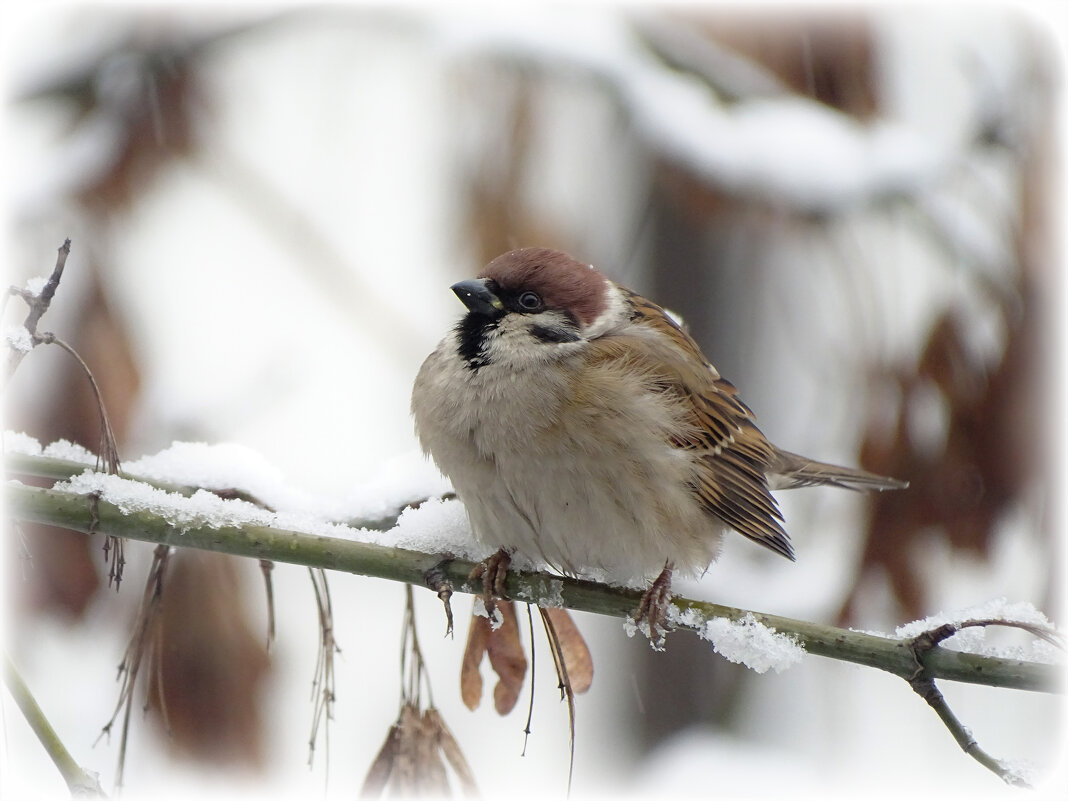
546, 334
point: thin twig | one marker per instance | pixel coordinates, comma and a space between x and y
947, 630
530, 704
80, 782
923, 684
38, 304
108, 455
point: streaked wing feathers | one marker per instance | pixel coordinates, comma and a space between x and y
730, 481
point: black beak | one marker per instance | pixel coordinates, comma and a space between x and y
476, 295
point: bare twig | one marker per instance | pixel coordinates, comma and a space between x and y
947, 630
108, 455
923, 683
38, 304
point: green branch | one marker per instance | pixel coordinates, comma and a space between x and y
79, 782
87, 514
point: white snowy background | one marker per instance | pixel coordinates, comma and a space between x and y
349, 118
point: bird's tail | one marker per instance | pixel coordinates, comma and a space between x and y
789, 470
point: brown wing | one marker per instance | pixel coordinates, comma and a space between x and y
731, 481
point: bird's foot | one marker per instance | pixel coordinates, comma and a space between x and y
492, 572
651, 617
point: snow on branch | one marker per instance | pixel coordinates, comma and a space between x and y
428, 542
751, 137
432, 536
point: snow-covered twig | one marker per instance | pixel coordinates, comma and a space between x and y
123, 507
261, 540
922, 682
38, 301
25, 340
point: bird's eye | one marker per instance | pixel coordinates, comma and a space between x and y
530, 301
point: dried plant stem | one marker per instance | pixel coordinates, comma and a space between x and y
323, 680
143, 643
267, 568
566, 691
533, 671
108, 452
413, 668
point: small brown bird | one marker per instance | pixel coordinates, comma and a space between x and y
581, 425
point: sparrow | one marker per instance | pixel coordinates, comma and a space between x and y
580, 424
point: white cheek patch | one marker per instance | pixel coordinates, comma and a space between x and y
614, 315
516, 343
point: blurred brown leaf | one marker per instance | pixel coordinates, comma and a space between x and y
961, 489
211, 666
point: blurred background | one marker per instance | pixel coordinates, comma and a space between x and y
855, 210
